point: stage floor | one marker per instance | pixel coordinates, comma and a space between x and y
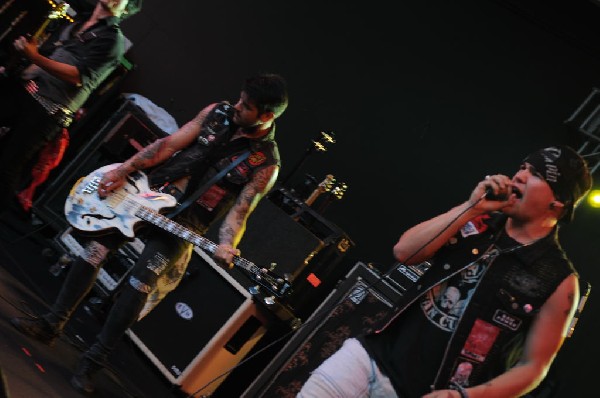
31, 369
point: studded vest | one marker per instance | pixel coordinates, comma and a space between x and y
490, 335
213, 151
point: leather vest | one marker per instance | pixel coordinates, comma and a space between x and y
216, 131
490, 335
213, 151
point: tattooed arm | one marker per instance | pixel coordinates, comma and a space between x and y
234, 225
155, 153
544, 339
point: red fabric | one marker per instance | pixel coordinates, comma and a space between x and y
49, 158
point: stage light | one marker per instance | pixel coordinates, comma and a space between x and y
593, 198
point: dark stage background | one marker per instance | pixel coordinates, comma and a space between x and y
424, 98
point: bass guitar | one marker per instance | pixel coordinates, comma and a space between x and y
126, 208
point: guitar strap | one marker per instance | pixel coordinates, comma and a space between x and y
193, 197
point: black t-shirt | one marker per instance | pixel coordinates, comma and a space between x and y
409, 351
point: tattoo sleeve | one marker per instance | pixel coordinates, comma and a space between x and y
147, 157
234, 224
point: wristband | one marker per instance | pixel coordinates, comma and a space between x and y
461, 390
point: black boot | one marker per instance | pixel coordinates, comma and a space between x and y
38, 328
82, 378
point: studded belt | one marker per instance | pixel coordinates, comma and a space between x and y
61, 114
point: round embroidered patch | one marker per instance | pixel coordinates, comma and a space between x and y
257, 158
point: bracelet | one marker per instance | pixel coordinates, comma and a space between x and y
461, 390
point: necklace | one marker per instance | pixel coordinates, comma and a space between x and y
494, 250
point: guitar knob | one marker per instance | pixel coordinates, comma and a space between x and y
254, 289
269, 300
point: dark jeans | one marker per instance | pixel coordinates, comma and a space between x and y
161, 251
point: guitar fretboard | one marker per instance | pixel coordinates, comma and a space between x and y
179, 230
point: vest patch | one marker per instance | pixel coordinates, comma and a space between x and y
469, 229
211, 198
462, 372
505, 319
257, 158
480, 340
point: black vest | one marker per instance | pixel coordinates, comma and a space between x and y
212, 152
508, 296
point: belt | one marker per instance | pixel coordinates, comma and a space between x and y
61, 114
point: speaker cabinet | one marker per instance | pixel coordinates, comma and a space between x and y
351, 309
274, 240
200, 331
302, 246
126, 131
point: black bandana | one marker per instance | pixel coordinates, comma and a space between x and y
565, 171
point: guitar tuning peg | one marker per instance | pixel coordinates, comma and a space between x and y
272, 266
339, 190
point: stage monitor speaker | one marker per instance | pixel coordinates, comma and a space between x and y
201, 330
352, 308
127, 130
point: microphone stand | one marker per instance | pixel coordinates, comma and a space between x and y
318, 145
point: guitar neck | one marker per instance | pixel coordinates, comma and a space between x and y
41, 29
313, 196
188, 235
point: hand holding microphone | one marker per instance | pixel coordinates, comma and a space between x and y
490, 195
504, 189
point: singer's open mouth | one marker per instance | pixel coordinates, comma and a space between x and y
517, 192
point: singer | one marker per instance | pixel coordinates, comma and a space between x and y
490, 315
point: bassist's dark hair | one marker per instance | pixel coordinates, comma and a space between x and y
268, 92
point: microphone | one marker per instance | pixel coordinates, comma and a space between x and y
489, 195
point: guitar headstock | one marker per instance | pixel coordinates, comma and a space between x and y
275, 284
327, 184
339, 190
59, 11
324, 186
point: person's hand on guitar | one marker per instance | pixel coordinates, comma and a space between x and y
28, 47
224, 254
111, 181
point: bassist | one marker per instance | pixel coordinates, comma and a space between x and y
188, 159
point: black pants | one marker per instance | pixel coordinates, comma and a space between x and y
162, 250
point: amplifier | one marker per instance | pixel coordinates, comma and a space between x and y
299, 244
202, 330
127, 130
359, 301
316, 279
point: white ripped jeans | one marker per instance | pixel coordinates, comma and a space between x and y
348, 373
